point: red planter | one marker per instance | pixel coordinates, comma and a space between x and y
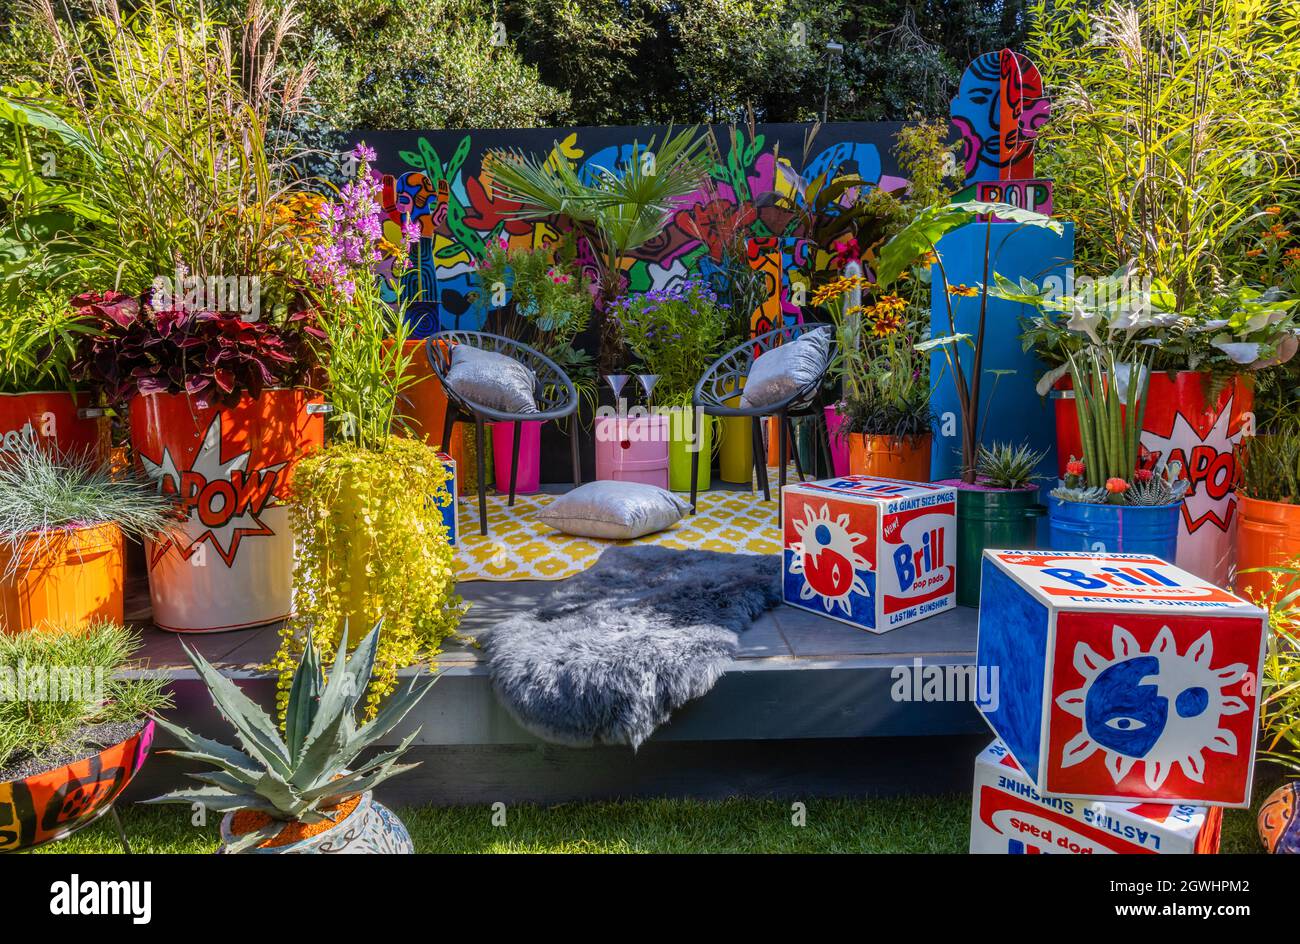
231, 564
54, 419
50, 805
1183, 423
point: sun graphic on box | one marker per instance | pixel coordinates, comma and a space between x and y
1152, 707
826, 555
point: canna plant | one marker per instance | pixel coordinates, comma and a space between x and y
309, 772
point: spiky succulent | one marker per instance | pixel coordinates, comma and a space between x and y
1003, 465
307, 772
1087, 496
1163, 487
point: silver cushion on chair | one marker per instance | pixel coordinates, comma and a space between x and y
492, 380
786, 369
617, 511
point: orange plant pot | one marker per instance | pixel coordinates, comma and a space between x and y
890, 457
1268, 535
424, 410
53, 419
69, 577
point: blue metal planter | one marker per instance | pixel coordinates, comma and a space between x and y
1124, 529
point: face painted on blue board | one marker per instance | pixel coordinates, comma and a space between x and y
976, 114
1125, 710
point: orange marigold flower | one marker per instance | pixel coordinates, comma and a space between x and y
1278, 232
1252, 253
1273, 210
965, 291
1292, 256
886, 323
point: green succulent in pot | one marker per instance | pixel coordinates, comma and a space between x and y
309, 773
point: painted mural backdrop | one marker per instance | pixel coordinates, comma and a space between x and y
437, 177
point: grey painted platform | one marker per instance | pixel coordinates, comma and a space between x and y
787, 718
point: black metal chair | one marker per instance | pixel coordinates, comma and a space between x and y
555, 395
726, 379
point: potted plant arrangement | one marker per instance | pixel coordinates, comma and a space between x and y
1200, 215
367, 508
1001, 509
65, 760
616, 209
63, 522
915, 246
1268, 532
305, 792
1279, 815
675, 334
537, 296
180, 216
39, 335
885, 410
1109, 501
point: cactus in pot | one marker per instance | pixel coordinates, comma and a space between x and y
296, 793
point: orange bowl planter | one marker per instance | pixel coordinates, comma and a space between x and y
890, 457
1268, 535
68, 577
48, 806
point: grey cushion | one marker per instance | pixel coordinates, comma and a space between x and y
492, 380
780, 373
617, 511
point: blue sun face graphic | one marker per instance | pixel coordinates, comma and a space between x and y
1152, 707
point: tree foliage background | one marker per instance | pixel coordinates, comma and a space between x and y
526, 63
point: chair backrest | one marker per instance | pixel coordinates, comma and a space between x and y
725, 378
554, 391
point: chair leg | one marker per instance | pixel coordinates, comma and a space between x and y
481, 437
760, 459
794, 447
573, 450
782, 444
694, 460
448, 424
514, 461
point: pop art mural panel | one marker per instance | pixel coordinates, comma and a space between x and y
438, 179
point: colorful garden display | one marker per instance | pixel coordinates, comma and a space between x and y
210, 353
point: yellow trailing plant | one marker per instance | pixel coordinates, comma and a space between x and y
371, 544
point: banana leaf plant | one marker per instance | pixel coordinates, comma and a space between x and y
313, 768
916, 245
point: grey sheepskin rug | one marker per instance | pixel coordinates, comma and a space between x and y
613, 651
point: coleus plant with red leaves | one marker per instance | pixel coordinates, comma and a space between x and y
215, 357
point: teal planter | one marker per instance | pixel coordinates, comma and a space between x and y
1003, 519
1119, 529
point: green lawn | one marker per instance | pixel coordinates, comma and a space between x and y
908, 824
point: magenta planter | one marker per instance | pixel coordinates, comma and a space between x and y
529, 477
633, 449
839, 442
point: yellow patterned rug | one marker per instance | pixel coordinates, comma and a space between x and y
519, 547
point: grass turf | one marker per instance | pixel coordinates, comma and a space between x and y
899, 824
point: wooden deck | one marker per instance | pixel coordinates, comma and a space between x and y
788, 717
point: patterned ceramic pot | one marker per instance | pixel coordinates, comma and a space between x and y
370, 829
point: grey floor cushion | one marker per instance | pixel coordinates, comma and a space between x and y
783, 371
612, 652
617, 511
492, 380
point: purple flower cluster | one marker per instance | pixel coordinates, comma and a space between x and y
352, 231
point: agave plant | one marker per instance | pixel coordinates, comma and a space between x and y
308, 772
1004, 465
